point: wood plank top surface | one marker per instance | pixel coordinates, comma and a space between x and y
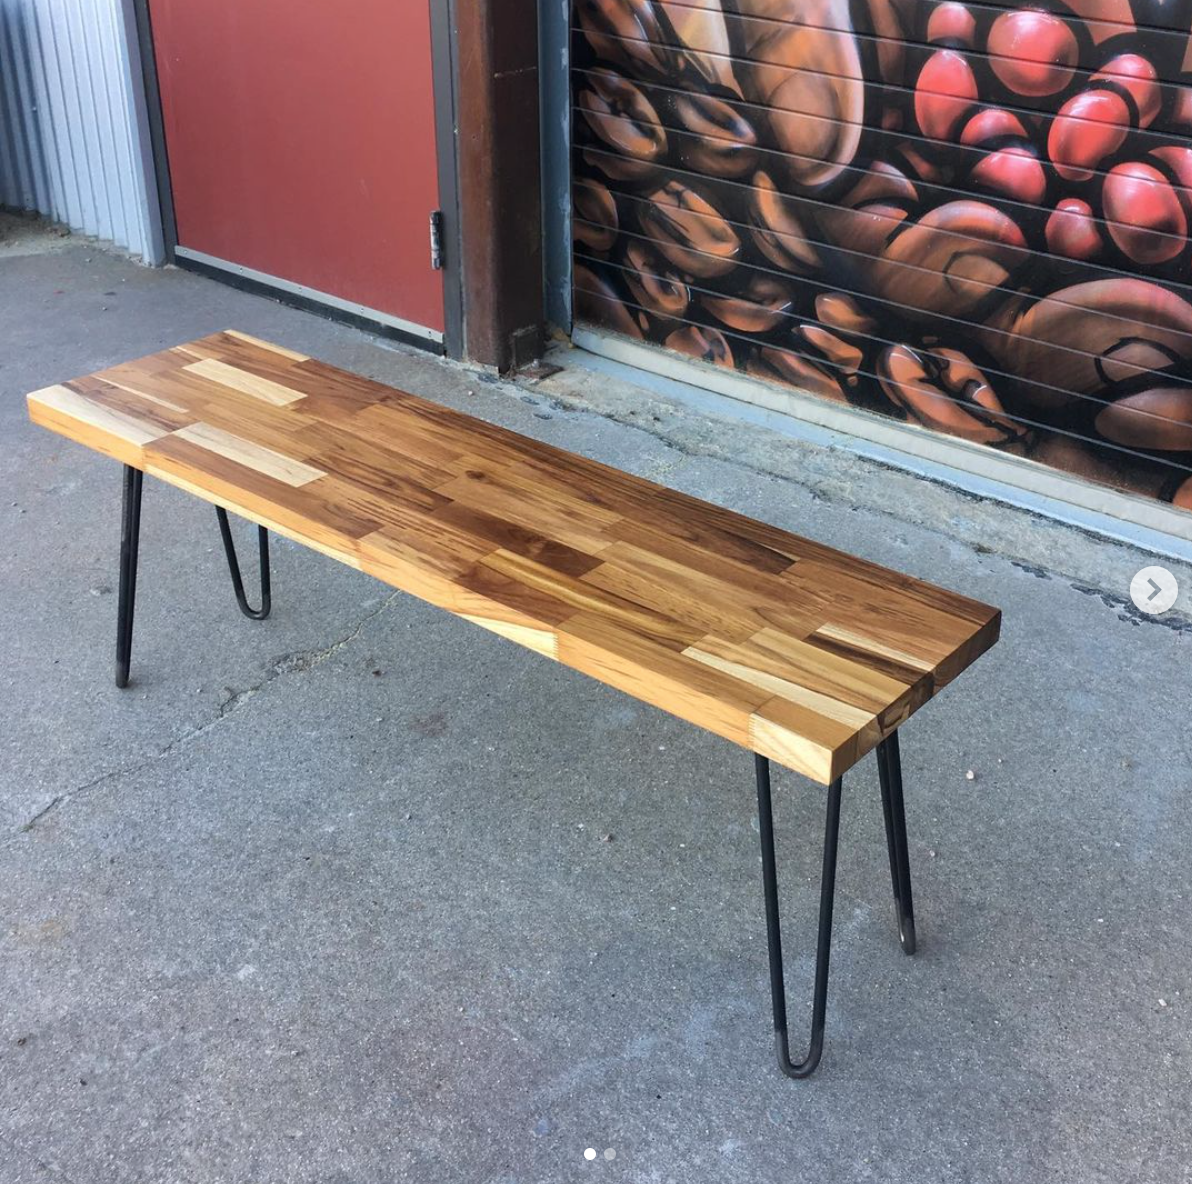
787, 647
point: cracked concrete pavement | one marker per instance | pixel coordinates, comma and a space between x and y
365, 894
232, 700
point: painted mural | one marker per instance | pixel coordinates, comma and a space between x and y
968, 216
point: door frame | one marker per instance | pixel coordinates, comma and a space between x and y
554, 57
445, 84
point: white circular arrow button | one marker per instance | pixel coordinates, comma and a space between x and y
1154, 590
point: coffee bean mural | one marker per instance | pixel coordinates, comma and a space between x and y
973, 217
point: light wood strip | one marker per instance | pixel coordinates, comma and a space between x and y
269, 346
250, 455
90, 421
785, 688
240, 380
166, 468
541, 641
230, 484
871, 645
659, 676
142, 394
870, 688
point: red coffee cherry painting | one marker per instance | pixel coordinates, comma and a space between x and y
972, 215
1178, 161
992, 124
1089, 127
944, 92
952, 23
1137, 76
1032, 53
1013, 173
1144, 215
1072, 230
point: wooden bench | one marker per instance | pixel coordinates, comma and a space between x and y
797, 652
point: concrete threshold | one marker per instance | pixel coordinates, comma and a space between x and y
984, 472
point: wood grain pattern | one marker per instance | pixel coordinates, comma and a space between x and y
264, 389
778, 643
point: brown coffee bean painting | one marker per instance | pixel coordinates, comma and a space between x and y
972, 217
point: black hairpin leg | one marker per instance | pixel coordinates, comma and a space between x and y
805, 1067
889, 769
257, 614
130, 535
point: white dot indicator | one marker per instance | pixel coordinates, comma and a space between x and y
590, 1153
610, 1154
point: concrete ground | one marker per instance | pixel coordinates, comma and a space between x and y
364, 894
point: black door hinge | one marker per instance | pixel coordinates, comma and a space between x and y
436, 239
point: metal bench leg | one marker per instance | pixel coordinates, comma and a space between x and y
130, 536
805, 1067
225, 530
889, 769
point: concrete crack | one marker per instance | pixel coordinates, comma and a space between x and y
298, 662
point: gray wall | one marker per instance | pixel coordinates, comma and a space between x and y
74, 143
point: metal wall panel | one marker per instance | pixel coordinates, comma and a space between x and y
74, 142
972, 217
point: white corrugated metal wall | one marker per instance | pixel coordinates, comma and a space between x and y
74, 140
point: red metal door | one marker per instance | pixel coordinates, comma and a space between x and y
301, 144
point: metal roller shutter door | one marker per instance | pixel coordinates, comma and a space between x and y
972, 217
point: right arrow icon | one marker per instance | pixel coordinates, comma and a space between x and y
1154, 590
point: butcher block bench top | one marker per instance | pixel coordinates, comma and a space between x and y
794, 650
